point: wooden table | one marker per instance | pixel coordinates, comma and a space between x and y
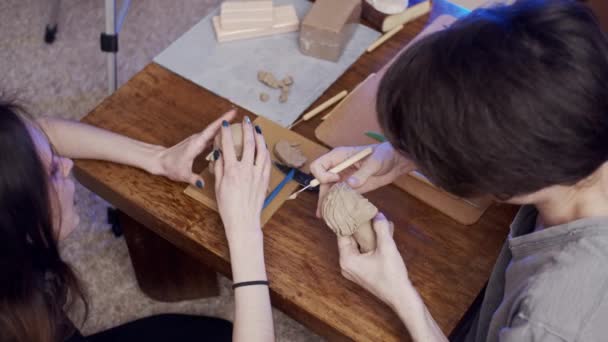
448, 263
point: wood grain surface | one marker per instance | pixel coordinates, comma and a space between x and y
447, 262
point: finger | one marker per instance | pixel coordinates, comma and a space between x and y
260, 146
369, 167
218, 169
382, 229
248, 142
347, 246
378, 182
320, 167
197, 181
323, 189
266, 170
227, 142
212, 130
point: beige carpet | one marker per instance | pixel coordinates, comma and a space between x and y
67, 79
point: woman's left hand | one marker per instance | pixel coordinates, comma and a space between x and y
176, 162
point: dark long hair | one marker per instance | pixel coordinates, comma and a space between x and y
36, 284
509, 100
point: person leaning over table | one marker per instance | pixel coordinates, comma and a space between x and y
510, 101
37, 212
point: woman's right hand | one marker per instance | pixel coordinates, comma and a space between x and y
241, 186
382, 167
382, 271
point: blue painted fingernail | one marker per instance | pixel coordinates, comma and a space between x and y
258, 129
247, 120
225, 123
200, 184
216, 155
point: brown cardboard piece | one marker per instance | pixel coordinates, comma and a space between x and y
272, 133
358, 112
328, 27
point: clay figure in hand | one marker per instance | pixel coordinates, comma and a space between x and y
289, 154
348, 213
237, 137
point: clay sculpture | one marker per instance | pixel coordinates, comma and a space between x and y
268, 79
348, 213
289, 154
237, 138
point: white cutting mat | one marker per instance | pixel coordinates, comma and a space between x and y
230, 69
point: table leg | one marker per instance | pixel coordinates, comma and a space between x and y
164, 272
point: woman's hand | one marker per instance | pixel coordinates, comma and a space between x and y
176, 162
382, 167
381, 272
241, 186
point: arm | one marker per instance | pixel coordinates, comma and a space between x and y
76, 140
241, 188
383, 273
253, 312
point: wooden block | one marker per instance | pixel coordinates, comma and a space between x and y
328, 27
242, 15
285, 20
272, 133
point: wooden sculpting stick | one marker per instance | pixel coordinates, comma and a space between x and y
320, 108
337, 169
384, 38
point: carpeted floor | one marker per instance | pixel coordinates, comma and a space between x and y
68, 79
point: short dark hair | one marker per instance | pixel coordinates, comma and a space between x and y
507, 101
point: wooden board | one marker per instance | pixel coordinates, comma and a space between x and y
272, 133
358, 112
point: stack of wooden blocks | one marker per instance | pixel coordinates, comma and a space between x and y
244, 19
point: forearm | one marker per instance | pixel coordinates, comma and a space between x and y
76, 140
253, 312
415, 316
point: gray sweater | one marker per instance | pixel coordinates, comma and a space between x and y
548, 285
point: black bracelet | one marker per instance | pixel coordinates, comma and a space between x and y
249, 283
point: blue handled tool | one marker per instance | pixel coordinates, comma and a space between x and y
279, 187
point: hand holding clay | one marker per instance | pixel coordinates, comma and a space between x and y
382, 167
241, 185
176, 162
348, 213
381, 272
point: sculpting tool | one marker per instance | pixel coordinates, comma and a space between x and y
320, 108
376, 136
336, 169
299, 177
279, 187
384, 38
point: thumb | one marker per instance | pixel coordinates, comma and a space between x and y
383, 229
369, 168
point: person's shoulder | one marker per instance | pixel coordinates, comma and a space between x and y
571, 288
